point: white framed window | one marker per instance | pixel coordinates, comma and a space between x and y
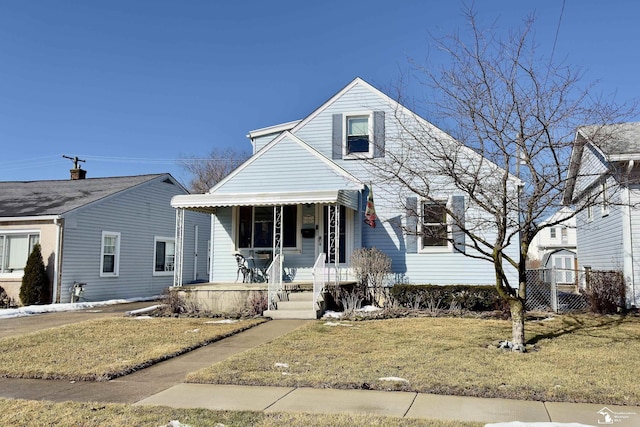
564, 235
553, 233
434, 229
15, 248
255, 227
164, 256
110, 254
589, 213
358, 136
605, 200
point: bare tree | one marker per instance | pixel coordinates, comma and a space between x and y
514, 117
207, 172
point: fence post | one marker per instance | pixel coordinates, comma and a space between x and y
554, 290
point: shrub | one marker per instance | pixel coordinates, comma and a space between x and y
35, 287
461, 297
175, 304
257, 303
371, 268
5, 300
605, 291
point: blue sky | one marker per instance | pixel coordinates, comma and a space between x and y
133, 85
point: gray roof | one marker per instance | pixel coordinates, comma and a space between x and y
38, 198
622, 139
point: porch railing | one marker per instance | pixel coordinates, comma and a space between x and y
274, 282
319, 278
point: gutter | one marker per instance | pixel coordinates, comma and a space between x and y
52, 218
57, 277
633, 280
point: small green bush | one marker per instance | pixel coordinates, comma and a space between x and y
467, 297
35, 288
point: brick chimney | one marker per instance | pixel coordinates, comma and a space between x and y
78, 173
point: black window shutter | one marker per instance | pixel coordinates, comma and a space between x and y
337, 137
411, 237
458, 236
378, 134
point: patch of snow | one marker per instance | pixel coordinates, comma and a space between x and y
369, 308
145, 310
396, 379
143, 317
337, 324
332, 314
281, 365
222, 321
176, 423
30, 310
192, 331
287, 373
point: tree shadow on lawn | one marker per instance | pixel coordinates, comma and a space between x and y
589, 325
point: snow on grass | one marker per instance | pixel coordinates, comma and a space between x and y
31, 310
222, 321
395, 379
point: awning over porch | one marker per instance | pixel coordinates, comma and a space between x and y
209, 202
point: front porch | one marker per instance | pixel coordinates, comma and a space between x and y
286, 245
295, 300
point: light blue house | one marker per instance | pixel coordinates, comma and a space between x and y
298, 203
604, 178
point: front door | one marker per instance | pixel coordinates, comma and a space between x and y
328, 215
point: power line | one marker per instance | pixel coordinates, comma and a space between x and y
555, 40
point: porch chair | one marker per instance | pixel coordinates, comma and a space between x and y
243, 267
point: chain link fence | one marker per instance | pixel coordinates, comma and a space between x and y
555, 289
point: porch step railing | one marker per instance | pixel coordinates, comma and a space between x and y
274, 282
319, 278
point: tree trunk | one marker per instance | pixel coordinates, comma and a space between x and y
517, 324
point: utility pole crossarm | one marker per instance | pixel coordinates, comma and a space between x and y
75, 161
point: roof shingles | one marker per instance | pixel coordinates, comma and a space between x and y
39, 198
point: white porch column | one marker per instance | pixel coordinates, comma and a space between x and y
177, 271
334, 239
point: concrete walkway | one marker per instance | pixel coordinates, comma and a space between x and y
162, 384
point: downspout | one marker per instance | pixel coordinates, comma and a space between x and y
213, 220
57, 274
633, 280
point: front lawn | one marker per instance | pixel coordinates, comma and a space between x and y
38, 413
103, 349
574, 358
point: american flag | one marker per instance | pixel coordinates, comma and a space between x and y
370, 212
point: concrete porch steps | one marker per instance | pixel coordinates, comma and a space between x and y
298, 306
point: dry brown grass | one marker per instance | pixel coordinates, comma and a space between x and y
103, 349
576, 358
38, 413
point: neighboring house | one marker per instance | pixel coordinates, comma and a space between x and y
304, 192
117, 235
603, 172
555, 246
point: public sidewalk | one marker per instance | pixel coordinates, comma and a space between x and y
161, 384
